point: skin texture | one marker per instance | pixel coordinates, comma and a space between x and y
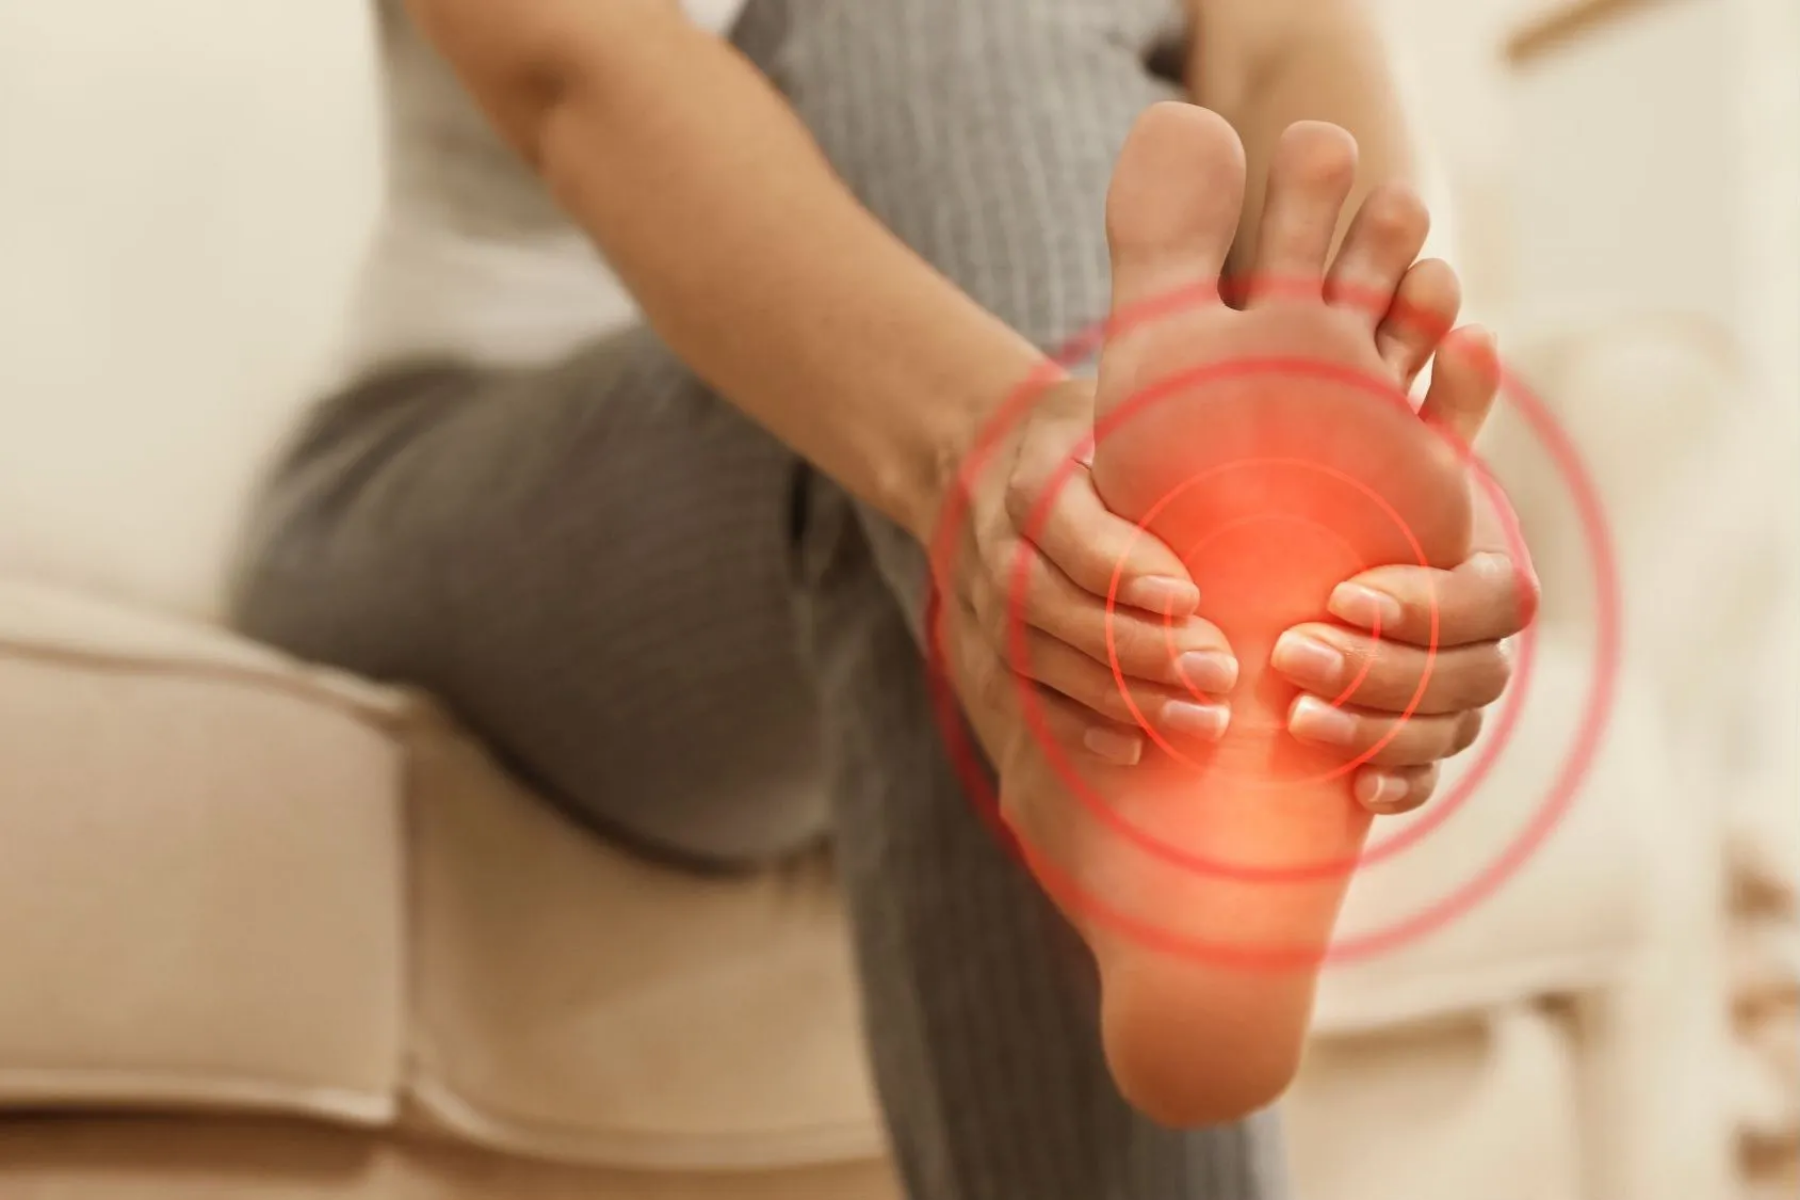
1201, 1037
1267, 541
815, 321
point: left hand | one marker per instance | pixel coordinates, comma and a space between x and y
1487, 599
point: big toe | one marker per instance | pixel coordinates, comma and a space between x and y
1172, 210
1310, 177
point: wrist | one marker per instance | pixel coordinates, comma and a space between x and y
965, 441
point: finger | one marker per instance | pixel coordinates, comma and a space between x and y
1186, 653
1396, 742
1423, 311
1342, 665
1464, 381
1387, 791
1485, 598
1081, 680
995, 697
1082, 537
1073, 725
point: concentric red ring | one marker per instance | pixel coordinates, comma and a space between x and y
977, 779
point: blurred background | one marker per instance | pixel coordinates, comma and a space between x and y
185, 187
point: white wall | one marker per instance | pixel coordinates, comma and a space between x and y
184, 186
1610, 174
1626, 180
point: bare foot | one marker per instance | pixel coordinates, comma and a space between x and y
1274, 484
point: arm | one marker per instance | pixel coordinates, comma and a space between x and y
1264, 64
745, 252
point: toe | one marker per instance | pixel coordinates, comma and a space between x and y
1172, 210
1382, 242
1423, 311
1463, 385
1313, 169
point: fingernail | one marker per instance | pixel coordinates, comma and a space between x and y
1313, 720
1375, 790
1121, 749
1207, 721
1161, 594
1307, 660
1364, 607
1208, 670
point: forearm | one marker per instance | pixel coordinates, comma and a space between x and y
1264, 64
745, 252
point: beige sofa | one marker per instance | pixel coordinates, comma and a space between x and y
270, 931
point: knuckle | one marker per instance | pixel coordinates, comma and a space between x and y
1140, 651
1095, 687
1500, 672
1006, 585
1530, 597
1103, 696
1395, 212
1468, 729
995, 686
997, 553
1025, 493
1473, 679
1416, 614
1489, 682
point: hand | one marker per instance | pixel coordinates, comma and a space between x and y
1069, 547
1485, 600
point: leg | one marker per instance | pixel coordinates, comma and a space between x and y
983, 132
590, 563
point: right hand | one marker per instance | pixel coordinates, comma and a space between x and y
1178, 665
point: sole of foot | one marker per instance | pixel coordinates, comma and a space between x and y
1269, 442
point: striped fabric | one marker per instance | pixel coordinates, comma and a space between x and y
676, 632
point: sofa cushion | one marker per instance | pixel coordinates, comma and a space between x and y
156, 1158
200, 858
574, 1002
225, 861
244, 881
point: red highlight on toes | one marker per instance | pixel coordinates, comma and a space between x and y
1331, 496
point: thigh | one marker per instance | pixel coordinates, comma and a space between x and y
590, 563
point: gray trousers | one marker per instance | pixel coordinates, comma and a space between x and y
679, 634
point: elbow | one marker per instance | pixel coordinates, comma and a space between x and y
524, 62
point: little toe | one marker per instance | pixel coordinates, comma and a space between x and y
1423, 311
1172, 208
1310, 177
1383, 240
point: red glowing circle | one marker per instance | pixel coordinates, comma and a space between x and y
1459, 901
1193, 553
1040, 514
1440, 811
